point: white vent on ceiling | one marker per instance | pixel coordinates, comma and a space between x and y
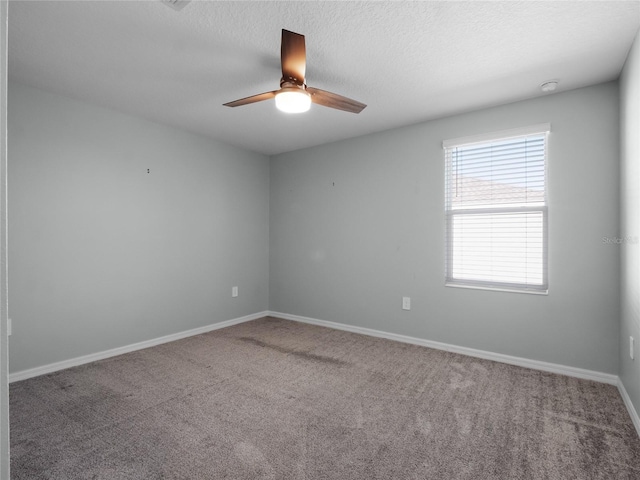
176, 4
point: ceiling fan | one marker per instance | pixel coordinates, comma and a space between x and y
294, 96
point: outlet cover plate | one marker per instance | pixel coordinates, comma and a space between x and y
406, 303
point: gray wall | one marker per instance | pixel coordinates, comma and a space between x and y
4, 364
357, 224
103, 254
630, 219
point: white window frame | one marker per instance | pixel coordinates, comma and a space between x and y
450, 213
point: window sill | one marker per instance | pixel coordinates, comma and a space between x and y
498, 289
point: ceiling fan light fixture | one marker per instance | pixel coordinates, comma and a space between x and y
293, 100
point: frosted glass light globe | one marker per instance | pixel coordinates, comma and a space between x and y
293, 100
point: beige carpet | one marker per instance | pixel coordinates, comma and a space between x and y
274, 399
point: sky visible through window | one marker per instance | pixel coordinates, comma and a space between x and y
506, 172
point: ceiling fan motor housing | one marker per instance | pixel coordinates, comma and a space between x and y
292, 83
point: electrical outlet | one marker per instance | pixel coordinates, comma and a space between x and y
406, 303
631, 347
234, 291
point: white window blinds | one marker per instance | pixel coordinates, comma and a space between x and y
496, 210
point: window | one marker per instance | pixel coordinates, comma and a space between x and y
496, 210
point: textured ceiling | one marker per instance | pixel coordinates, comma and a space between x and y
409, 61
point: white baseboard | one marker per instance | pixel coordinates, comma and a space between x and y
73, 362
630, 408
472, 352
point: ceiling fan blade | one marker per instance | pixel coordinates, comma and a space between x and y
333, 100
253, 99
293, 57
